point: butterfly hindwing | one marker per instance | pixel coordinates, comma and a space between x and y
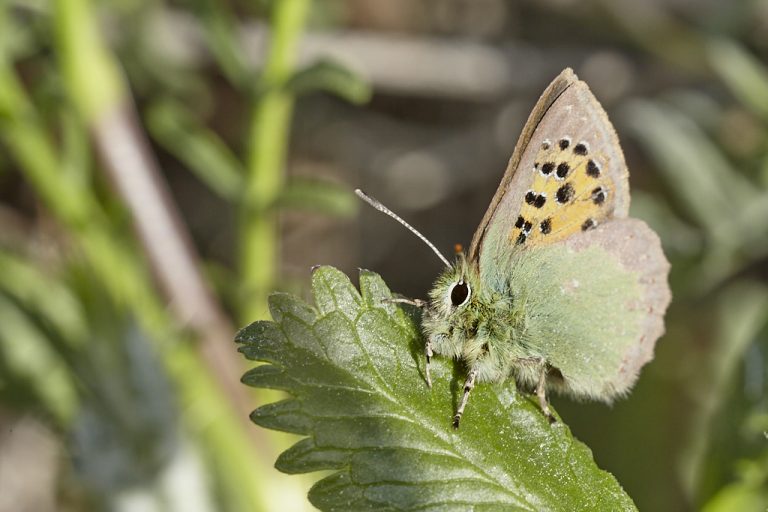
595, 305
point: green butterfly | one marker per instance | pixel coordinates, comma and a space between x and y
559, 289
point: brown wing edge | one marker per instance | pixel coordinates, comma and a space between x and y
638, 249
621, 206
553, 91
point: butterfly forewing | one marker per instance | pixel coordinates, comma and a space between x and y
567, 175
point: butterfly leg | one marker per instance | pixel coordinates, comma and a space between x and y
468, 385
413, 302
428, 353
538, 364
541, 393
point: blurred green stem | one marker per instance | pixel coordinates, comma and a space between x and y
741, 311
266, 159
93, 78
95, 86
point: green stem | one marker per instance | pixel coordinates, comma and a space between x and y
95, 87
268, 144
93, 79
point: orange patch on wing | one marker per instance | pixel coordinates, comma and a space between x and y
570, 193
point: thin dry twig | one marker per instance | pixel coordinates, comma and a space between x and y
127, 160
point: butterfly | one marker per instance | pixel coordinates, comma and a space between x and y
559, 289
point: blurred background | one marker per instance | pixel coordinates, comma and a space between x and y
166, 164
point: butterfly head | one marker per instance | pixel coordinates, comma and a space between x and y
456, 291
454, 287
466, 318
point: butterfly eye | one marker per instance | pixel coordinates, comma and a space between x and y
460, 293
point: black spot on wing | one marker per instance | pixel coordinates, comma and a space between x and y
565, 193
580, 149
598, 195
537, 200
588, 224
593, 169
564, 143
530, 197
546, 226
562, 170
547, 168
520, 221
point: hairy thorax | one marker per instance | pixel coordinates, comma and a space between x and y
485, 332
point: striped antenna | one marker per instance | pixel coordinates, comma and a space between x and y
383, 209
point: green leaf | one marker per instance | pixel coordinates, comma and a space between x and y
200, 149
221, 34
317, 196
705, 182
743, 73
333, 77
749, 493
354, 369
27, 355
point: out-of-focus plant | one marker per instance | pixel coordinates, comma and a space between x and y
85, 365
257, 184
749, 491
62, 178
54, 146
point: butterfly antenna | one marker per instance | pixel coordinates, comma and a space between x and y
383, 209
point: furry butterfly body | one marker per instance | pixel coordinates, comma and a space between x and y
559, 289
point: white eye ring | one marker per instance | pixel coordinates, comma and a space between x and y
461, 295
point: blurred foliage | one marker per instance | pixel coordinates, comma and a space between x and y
89, 346
112, 402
